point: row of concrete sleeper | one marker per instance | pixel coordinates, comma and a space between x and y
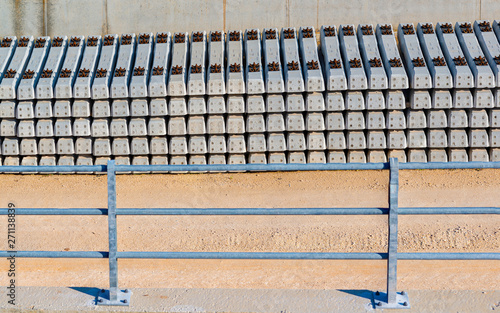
289, 96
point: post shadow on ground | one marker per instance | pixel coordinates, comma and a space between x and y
91, 291
362, 293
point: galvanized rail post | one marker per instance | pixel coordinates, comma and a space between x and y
114, 296
394, 300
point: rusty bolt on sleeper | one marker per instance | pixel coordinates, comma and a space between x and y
198, 37
120, 72
348, 30
74, 42
447, 28
92, 41
179, 38
427, 29
466, 28
161, 38
215, 68
418, 62
408, 29
439, 61
126, 39
40, 42
329, 31
83, 72
234, 36
460, 61
293, 66
195, 69
10, 73
252, 35
367, 30
289, 33
273, 66
355, 63
386, 29
485, 26
312, 65
270, 34
234, 68
254, 67
6, 42
23, 42
157, 71
176, 70
28, 74
143, 39
307, 33
139, 71
57, 42
480, 61
108, 40
335, 63
47, 73
65, 73
101, 73
216, 36
375, 62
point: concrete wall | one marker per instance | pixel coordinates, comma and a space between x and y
90, 17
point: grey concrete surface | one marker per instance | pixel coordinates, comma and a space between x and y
85, 17
44, 299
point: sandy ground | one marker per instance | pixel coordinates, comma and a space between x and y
473, 233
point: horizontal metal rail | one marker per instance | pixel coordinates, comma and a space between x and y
53, 169
250, 167
258, 255
448, 165
259, 211
57, 254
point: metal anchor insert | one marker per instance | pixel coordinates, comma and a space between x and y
92, 41
439, 61
120, 72
65, 73
329, 31
235, 68
215, 68
176, 70
157, 70
293, 66
83, 72
418, 62
273, 66
254, 67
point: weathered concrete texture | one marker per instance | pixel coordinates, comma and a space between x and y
76, 17
22, 17
243, 14
126, 16
395, 12
36, 299
86, 17
489, 9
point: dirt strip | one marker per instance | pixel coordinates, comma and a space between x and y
436, 233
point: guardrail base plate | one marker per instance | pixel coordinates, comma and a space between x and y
380, 298
123, 298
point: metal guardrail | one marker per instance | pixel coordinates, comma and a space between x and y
392, 299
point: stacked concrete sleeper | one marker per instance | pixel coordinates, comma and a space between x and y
421, 93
